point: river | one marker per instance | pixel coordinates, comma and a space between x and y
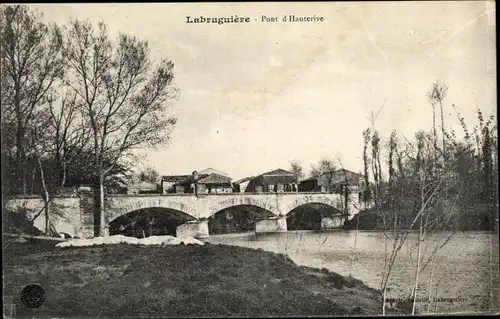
466, 268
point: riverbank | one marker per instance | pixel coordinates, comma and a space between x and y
186, 280
478, 217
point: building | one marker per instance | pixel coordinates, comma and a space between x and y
204, 184
333, 181
168, 182
218, 182
240, 186
278, 180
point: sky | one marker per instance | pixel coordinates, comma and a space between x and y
255, 96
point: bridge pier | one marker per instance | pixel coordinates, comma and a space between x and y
333, 222
271, 225
106, 231
197, 229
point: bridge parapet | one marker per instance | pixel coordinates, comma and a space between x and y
190, 206
200, 195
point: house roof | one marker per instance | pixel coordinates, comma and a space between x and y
206, 179
280, 179
174, 178
278, 171
246, 179
210, 170
214, 179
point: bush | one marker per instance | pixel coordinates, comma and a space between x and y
18, 222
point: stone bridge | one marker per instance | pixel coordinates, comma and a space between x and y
74, 215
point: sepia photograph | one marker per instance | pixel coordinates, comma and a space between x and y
249, 159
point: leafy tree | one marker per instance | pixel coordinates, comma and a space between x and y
325, 171
32, 62
124, 96
149, 175
297, 171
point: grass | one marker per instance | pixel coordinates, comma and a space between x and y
179, 281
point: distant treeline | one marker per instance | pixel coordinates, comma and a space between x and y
470, 218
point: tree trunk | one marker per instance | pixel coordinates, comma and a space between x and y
417, 271
25, 174
429, 295
385, 277
63, 177
97, 206
46, 208
384, 298
434, 126
46, 197
346, 202
99, 220
101, 205
434, 142
33, 176
21, 156
442, 130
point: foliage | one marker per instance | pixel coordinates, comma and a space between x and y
124, 97
469, 176
18, 222
430, 188
149, 175
76, 105
31, 60
297, 171
325, 170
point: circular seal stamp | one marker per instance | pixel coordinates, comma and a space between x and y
33, 296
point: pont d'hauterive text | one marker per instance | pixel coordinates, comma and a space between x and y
235, 19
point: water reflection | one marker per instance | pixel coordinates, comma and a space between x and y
466, 268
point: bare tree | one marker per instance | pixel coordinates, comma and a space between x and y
414, 191
38, 143
70, 134
366, 191
430, 96
376, 167
32, 61
437, 94
394, 228
297, 171
438, 217
124, 96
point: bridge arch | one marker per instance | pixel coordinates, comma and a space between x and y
148, 221
326, 210
267, 205
237, 219
331, 200
309, 215
117, 207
